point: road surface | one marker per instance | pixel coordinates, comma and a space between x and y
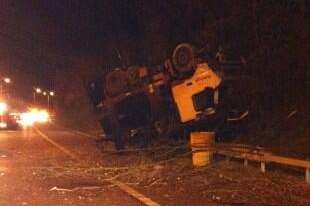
54, 166
46, 166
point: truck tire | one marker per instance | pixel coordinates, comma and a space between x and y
183, 59
116, 83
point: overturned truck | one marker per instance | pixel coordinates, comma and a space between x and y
169, 100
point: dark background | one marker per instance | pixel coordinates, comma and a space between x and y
59, 45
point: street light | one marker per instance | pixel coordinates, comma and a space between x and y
37, 90
49, 96
7, 80
4, 80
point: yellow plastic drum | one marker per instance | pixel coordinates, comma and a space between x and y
201, 141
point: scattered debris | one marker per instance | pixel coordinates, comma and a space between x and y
75, 189
292, 113
60, 189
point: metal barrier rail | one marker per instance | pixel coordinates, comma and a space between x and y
259, 155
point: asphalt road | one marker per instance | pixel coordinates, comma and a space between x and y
46, 166
54, 166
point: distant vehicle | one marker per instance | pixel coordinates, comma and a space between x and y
8, 120
182, 95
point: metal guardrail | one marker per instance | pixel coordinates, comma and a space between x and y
257, 154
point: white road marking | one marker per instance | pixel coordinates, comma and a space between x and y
73, 131
64, 150
132, 192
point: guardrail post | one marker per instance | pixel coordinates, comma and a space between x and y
263, 167
307, 175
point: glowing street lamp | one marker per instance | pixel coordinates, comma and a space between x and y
3, 80
38, 90
7, 80
49, 98
48, 94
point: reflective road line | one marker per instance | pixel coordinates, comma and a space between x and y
132, 192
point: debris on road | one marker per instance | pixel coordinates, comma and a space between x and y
75, 189
60, 189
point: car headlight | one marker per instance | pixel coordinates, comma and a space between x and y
3, 107
3, 125
34, 116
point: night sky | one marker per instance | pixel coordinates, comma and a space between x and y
39, 37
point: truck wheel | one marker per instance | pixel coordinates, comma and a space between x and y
183, 59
